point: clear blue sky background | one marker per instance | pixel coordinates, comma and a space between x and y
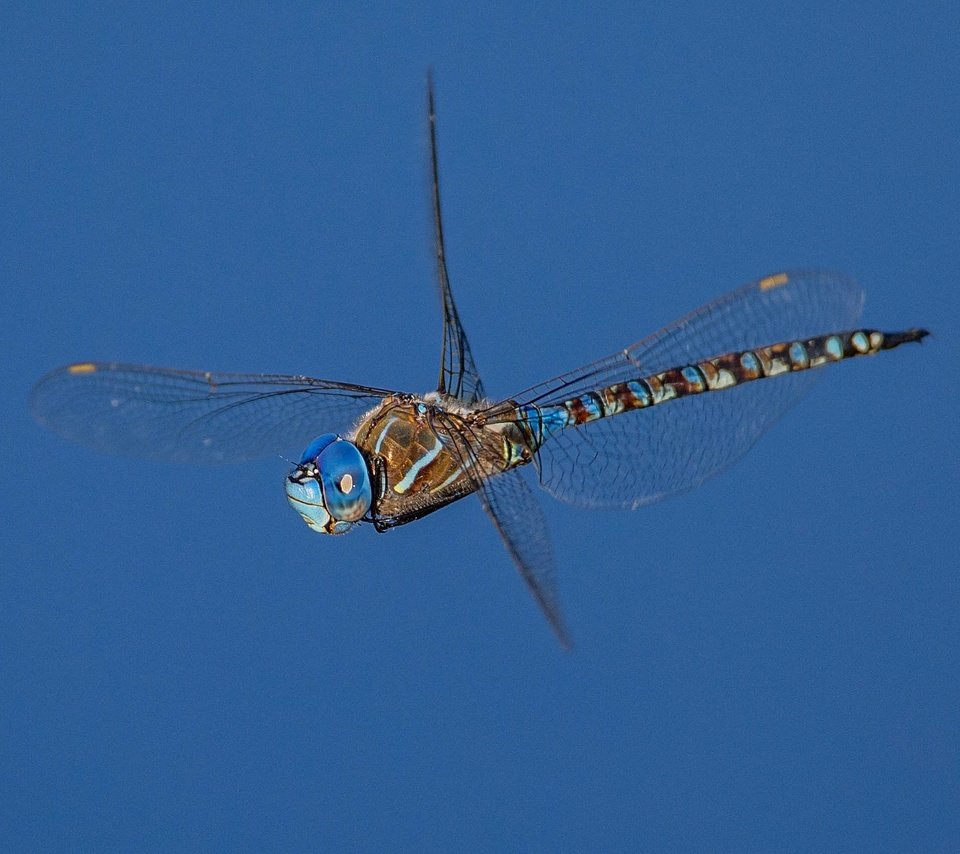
772, 661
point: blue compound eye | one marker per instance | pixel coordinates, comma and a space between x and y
316, 446
345, 481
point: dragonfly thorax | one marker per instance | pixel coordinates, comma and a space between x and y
428, 451
330, 487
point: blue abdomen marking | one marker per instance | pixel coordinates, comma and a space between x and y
716, 374
541, 422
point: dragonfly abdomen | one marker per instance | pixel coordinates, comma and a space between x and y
717, 374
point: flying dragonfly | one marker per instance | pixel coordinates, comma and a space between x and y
654, 419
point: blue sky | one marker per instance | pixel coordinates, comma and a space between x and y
768, 662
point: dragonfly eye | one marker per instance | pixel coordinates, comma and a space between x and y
345, 481
313, 450
330, 487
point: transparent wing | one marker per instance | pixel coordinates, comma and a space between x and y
805, 304
516, 514
193, 416
643, 456
458, 372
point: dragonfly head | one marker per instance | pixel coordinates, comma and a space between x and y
330, 487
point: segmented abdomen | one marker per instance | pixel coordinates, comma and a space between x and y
717, 374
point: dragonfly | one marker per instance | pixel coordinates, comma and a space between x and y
652, 420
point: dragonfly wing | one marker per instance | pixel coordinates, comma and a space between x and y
516, 514
458, 372
193, 416
642, 456
806, 303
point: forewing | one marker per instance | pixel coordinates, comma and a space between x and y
458, 372
194, 416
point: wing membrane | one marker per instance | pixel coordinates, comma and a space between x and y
193, 416
458, 372
643, 456
516, 514
808, 303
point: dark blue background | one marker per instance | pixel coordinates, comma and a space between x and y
768, 662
